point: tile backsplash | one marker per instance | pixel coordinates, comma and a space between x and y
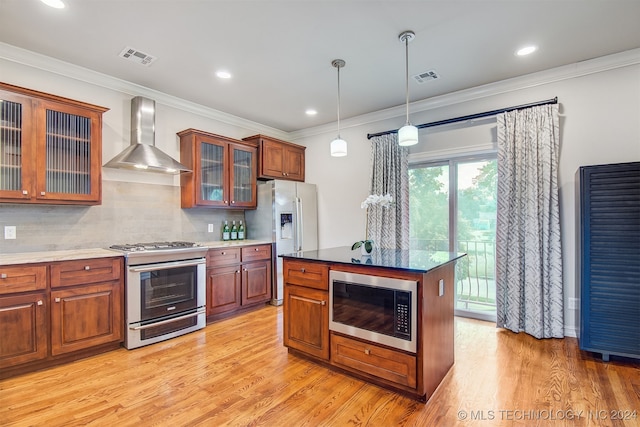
129, 213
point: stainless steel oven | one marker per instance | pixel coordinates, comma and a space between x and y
377, 309
165, 291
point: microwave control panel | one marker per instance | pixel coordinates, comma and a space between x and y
403, 314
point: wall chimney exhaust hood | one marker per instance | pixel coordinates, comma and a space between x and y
142, 154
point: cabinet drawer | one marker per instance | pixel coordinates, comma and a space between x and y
22, 278
85, 271
255, 253
370, 359
224, 256
306, 274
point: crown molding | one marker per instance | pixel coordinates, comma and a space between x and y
56, 66
578, 69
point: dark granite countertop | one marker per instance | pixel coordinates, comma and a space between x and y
411, 260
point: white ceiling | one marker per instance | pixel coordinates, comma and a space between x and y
280, 52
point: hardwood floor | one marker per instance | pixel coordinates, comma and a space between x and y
237, 372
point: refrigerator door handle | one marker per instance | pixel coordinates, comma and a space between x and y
299, 224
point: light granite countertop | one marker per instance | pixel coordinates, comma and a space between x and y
73, 254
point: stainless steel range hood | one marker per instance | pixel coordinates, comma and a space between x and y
142, 154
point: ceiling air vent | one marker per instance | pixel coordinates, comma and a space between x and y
136, 56
426, 76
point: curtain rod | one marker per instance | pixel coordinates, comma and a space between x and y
471, 116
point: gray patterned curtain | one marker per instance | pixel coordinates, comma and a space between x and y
529, 294
388, 227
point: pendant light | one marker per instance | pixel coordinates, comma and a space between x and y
338, 145
407, 134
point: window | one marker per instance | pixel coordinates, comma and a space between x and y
452, 207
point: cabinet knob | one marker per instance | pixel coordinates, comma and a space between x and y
233, 201
223, 253
39, 302
367, 351
25, 192
323, 302
244, 269
237, 271
257, 249
302, 269
3, 276
87, 267
42, 193
57, 300
284, 174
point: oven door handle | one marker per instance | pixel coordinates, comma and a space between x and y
166, 265
164, 322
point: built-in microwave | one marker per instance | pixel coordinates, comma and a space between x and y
378, 309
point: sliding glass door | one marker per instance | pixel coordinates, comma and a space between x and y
453, 208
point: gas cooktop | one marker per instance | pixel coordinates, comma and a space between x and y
152, 246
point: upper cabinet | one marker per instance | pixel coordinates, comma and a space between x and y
279, 159
50, 148
224, 171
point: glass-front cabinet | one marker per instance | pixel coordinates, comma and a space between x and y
50, 148
224, 171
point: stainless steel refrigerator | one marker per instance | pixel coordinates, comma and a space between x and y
287, 214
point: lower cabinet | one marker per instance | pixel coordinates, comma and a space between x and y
23, 337
238, 278
306, 320
56, 312
85, 317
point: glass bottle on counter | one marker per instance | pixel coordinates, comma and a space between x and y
234, 231
241, 231
226, 231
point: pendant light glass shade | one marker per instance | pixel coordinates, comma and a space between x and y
338, 145
407, 134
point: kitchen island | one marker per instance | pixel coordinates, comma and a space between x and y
417, 358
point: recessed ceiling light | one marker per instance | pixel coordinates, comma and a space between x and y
311, 112
526, 50
223, 74
58, 4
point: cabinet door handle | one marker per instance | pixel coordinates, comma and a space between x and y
39, 302
87, 267
367, 351
3, 276
57, 300
25, 192
312, 301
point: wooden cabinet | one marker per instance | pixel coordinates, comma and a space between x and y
224, 171
238, 278
306, 308
608, 246
23, 337
279, 159
51, 148
86, 316
54, 312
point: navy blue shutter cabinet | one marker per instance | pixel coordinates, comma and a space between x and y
608, 209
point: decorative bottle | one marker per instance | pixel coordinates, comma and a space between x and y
241, 231
225, 231
234, 231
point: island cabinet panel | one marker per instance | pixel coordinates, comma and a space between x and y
22, 278
306, 320
306, 274
238, 278
23, 337
85, 316
390, 365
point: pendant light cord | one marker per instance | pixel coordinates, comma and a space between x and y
406, 67
338, 67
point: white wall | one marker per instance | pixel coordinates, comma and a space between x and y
600, 123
